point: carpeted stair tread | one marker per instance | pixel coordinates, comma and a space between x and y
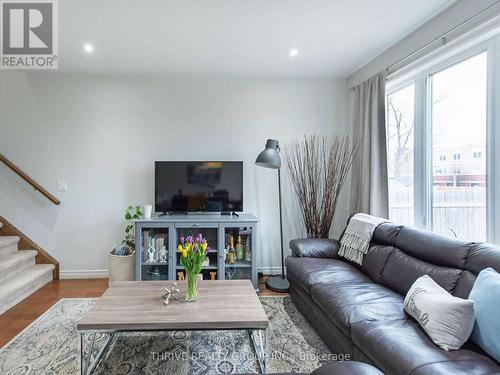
16, 262
8, 245
6, 241
24, 284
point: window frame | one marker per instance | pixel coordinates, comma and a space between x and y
423, 163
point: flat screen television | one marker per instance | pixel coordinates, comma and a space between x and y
198, 186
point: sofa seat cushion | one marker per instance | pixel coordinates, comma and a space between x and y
314, 271
356, 302
401, 347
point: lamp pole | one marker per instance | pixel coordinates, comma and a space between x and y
281, 227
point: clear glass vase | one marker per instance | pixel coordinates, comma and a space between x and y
192, 287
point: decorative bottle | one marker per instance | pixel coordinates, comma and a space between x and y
231, 256
248, 251
239, 250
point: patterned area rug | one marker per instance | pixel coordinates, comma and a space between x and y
49, 346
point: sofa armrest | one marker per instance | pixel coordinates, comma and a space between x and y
314, 247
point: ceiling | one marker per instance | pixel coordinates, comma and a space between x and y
233, 37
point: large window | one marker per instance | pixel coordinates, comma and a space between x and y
437, 148
458, 99
400, 125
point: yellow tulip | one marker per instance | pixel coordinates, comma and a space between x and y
184, 253
204, 246
180, 248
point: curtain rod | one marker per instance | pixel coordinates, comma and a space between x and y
442, 38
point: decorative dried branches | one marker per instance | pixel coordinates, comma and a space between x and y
318, 167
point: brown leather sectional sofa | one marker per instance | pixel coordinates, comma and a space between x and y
359, 309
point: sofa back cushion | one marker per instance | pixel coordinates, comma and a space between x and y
399, 255
375, 260
481, 256
428, 246
432, 247
402, 270
464, 284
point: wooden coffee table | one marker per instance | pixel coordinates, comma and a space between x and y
137, 306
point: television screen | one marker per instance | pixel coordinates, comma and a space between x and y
193, 186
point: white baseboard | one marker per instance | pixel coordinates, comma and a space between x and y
83, 274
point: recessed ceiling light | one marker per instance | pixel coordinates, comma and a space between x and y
293, 52
89, 48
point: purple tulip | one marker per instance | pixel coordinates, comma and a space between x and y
182, 239
190, 239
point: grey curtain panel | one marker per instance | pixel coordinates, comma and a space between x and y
369, 172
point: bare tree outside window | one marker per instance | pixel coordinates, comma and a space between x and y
401, 135
400, 130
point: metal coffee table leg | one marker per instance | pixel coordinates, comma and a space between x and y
87, 366
258, 338
80, 354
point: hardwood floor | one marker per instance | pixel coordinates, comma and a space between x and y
23, 314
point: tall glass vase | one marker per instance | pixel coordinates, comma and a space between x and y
192, 287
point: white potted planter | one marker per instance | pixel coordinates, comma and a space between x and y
122, 257
121, 267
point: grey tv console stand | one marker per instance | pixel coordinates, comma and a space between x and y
216, 228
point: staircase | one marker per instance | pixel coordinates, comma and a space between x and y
19, 275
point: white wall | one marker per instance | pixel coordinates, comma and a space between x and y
450, 18
103, 133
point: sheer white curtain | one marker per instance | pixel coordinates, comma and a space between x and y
369, 172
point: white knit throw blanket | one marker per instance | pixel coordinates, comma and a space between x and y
357, 237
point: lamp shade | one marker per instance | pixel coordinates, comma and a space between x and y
270, 157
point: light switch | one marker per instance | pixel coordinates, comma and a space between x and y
62, 186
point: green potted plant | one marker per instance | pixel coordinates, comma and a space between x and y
122, 257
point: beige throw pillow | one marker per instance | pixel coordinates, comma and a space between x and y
447, 320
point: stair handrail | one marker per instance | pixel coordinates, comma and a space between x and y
29, 180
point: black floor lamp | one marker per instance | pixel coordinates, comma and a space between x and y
270, 158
